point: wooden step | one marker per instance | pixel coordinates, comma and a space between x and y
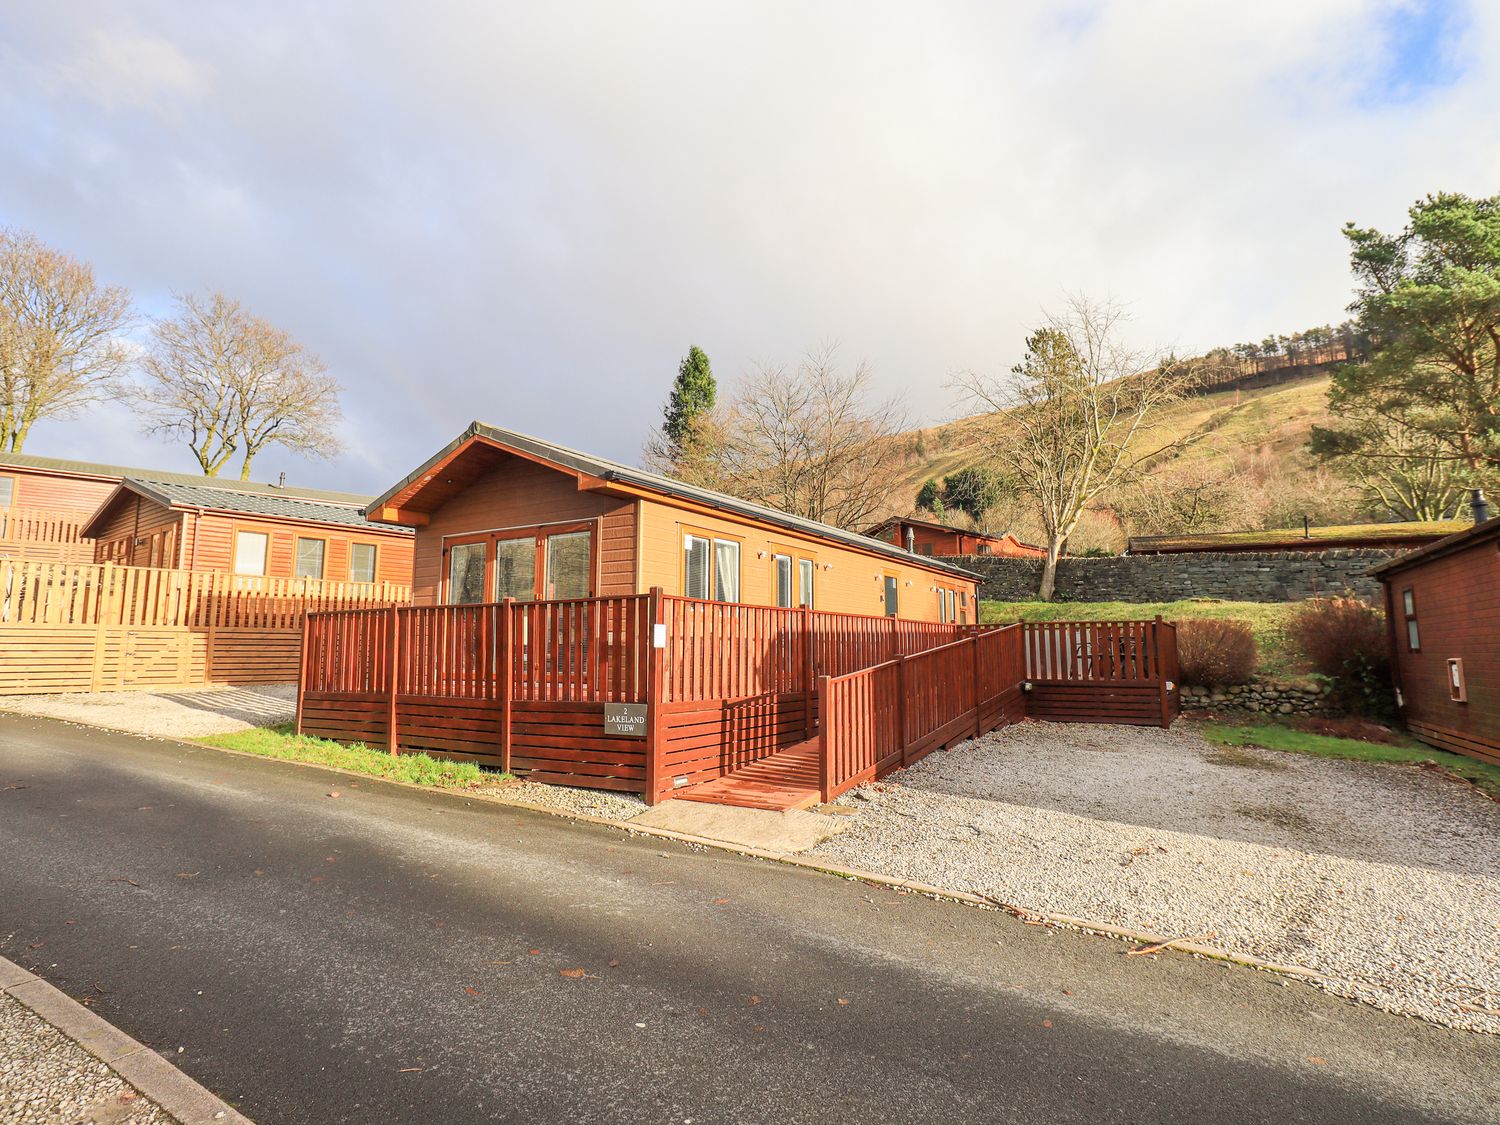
788, 779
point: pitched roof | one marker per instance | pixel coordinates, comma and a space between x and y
608, 470
1471, 536
196, 494
96, 469
882, 526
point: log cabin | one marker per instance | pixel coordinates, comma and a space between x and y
205, 525
939, 539
498, 514
1443, 613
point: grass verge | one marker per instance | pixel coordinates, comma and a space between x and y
1275, 736
1279, 656
417, 769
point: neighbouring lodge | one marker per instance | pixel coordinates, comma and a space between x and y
80, 512
928, 538
499, 515
1443, 606
260, 532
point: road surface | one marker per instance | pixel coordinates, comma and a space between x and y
396, 956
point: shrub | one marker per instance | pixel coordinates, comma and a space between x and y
1212, 653
1345, 640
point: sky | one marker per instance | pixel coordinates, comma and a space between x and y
526, 213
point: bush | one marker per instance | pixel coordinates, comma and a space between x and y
1213, 653
1345, 640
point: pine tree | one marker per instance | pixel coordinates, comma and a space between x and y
692, 396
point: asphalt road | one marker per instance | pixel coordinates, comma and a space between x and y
393, 956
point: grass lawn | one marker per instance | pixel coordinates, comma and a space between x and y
1279, 657
418, 769
1275, 736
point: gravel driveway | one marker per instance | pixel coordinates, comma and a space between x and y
1383, 878
194, 713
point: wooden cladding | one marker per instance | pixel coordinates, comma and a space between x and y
44, 593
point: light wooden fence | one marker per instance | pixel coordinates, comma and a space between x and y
70, 627
45, 535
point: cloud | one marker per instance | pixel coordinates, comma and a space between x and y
526, 213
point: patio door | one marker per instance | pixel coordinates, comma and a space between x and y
555, 562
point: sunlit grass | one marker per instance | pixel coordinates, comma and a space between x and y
418, 769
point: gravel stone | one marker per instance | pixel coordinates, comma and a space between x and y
191, 713
589, 802
1384, 878
46, 1078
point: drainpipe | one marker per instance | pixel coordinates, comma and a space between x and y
1481, 508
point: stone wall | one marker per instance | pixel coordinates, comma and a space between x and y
1270, 576
1264, 697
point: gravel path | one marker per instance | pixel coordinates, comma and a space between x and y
1386, 879
46, 1078
192, 713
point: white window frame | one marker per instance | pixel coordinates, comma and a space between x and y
265, 552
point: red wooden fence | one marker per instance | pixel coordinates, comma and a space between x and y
882, 718
524, 686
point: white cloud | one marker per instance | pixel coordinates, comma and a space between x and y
527, 212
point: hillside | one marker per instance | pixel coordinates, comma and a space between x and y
1245, 446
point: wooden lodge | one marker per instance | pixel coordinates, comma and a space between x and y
940, 540
202, 526
585, 623
499, 514
1443, 610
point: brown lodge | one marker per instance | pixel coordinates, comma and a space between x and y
501, 515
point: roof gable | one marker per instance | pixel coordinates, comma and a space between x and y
445, 474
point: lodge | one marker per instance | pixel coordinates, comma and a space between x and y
928, 538
1443, 610
499, 515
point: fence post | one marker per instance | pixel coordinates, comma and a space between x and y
978, 694
901, 708
807, 672
393, 669
825, 739
301, 667
654, 689
1161, 672
507, 674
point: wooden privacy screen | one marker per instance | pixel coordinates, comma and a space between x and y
68, 627
524, 686
44, 535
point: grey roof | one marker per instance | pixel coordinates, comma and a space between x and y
615, 471
95, 469
175, 494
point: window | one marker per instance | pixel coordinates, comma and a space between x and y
361, 562
568, 559
805, 569
310, 558
515, 569
927, 548
466, 573
782, 564
891, 585
250, 552
1409, 608
7, 491
1458, 691
710, 568
984, 548
726, 570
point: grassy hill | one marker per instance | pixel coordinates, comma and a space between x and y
1255, 433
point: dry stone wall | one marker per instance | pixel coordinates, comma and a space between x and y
1262, 576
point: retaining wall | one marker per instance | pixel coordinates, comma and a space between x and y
1269, 576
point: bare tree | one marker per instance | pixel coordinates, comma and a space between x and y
810, 440
60, 346
225, 382
1074, 418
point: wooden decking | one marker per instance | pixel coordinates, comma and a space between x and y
785, 780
